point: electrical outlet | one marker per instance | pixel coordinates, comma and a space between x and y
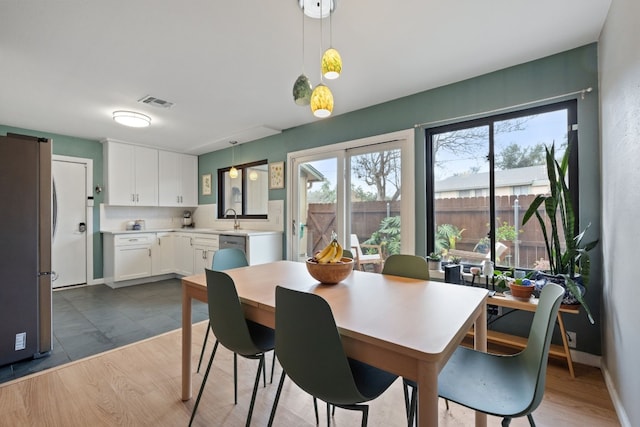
21, 341
571, 338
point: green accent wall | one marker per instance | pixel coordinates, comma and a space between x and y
504, 90
83, 148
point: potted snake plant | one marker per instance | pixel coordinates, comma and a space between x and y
568, 254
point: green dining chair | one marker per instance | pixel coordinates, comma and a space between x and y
224, 259
310, 351
414, 267
241, 336
506, 386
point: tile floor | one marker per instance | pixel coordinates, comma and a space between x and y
92, 319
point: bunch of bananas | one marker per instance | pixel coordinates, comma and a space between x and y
332, 253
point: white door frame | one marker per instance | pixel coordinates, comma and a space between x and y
88, 163
406, 140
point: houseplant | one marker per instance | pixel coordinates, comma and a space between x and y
568, 256
434, 259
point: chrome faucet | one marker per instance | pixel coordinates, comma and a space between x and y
236, 224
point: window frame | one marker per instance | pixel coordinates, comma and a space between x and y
572, 144
245, 176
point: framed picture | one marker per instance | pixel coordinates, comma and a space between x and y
206, 184
276, 175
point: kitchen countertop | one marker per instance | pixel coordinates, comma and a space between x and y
239, 232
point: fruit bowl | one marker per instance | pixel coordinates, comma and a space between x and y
330, 273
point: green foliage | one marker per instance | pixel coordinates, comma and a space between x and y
325, 194
567, 254
515, 156
434, 256
506, 232
446, 237
388, 235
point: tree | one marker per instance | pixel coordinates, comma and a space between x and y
515, 156
381, 170
325, 194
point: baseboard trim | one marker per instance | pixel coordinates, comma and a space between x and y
615, 398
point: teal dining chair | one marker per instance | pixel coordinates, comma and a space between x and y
239, 335
506, 386
414, 267
310, 351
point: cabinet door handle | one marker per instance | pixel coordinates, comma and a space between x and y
180, 199
159, 241
137, 197
133, 197
149, 252
177, 199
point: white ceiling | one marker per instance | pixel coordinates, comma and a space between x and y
229, 67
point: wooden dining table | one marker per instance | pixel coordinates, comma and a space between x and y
406, 326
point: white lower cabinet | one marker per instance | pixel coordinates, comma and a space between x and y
205, 247
127, 257
183, 253
163, 254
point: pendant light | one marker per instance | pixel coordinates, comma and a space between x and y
233, 172
302, 85
331, 60
321, 97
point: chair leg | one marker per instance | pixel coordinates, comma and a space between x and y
531, 422
273, 365
328, 414
506, 421
446, 402
235, 379
365, 415
204, 381
204, 345
275, 401
315, 409
255, 390
413, 408
264, 374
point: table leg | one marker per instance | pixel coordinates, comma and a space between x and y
427, 395
186, 344
565, 344
480, 344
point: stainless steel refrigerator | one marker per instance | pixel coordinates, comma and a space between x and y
25, 248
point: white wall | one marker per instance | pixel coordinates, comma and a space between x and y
619, 63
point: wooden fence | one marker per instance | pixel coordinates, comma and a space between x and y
469, 213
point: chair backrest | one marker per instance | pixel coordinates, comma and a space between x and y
413, 266
347, 253
227, 258
225, 314
355, 244
309, 347
534, 356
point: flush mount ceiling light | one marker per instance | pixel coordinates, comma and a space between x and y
131, 119
317, 9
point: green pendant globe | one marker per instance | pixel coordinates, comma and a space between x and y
302, 90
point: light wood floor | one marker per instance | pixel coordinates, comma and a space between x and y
139, 385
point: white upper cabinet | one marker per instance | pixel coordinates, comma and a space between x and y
178, 179
131, 174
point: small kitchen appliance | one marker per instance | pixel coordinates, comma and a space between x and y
187, 221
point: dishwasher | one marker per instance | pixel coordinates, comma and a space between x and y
229, 241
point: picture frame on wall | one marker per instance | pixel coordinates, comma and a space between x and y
276, 175
206, 184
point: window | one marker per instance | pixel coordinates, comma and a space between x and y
486, 172
247, 193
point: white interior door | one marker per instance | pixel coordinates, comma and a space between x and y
69, 251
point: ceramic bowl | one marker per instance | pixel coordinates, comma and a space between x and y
330, 273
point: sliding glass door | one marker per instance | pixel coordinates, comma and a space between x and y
354, 190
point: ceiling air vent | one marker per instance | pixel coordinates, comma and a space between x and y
156, 102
